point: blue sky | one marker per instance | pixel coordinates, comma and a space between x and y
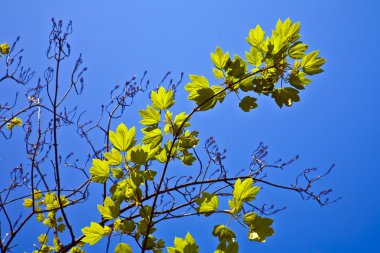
337, 120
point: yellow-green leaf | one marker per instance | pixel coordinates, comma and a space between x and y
117, 173
109, 210
297, 50
188, 159
186, 245
37, 194
123, 139
99, 171
139, 154
93, 233
197, 82
249, 218
181, 119
254, 57
298, 79
153, 136
223, 233
207, 204
311, 63
114, 157
245, 191
256, 36
123, 248
219, 58
260, 229
217, 73
150, 116
162, 156
42, 238
162, 99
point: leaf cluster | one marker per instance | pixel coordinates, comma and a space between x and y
132, 170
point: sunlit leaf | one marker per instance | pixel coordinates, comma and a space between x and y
123, 248
153, 136
123, 139
297, 50
150, 116
109, 210
256, 36
162, 99
311, 63
223, 233
208, 203
260, 229
186, 245
99, 171
114, 157
219, 58
93, 233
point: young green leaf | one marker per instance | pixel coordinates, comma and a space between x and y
260, 229
43, 238
188, 159
217, 73
236, 69
117, 173
109, 210
37, 194
232, 247
123, 248
311, 63
202, 94
123, 139
93, 233
114, 157
297, 50
153, 136
149, 174
139, 154
256, 36
186, 245
179, 120
162, 99
298, 79
150, 116
243, 192
254, 57
219, 58
162, 156
99, 171
207, 204
197, 82
223, 233
128, 226
249, 218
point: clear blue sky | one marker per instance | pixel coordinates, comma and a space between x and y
337, 120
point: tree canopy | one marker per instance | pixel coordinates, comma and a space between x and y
155, 171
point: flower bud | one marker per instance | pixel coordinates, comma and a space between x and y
5, 48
